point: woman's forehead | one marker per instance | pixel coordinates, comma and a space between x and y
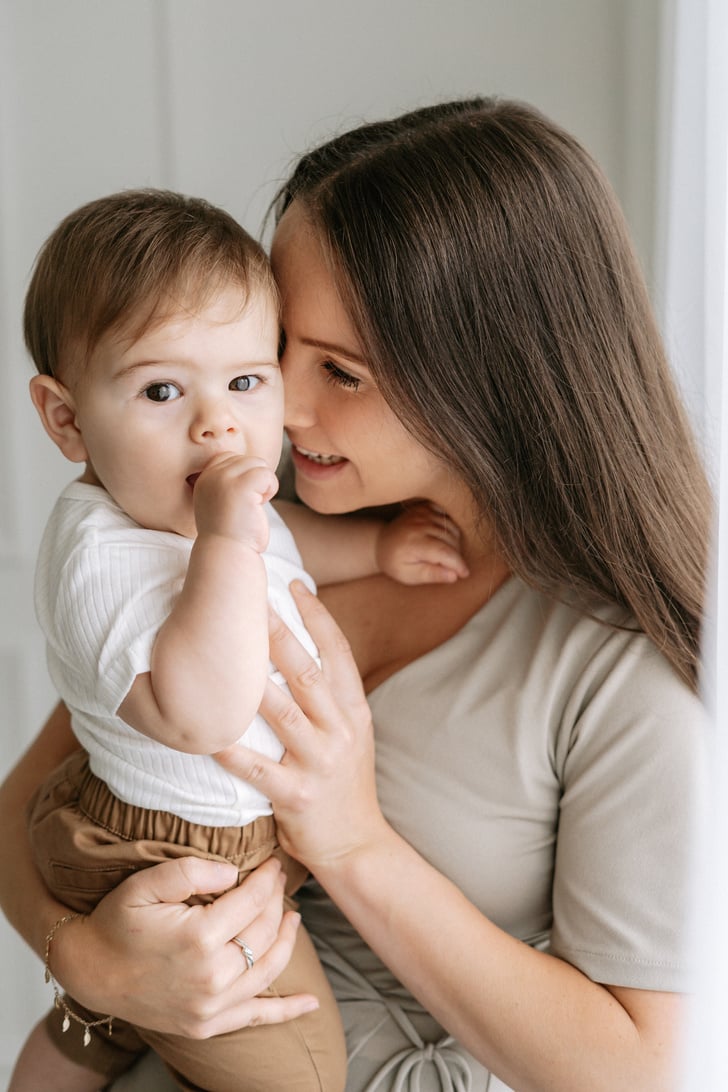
297, 232
300, 261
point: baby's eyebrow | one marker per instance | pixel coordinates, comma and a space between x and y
136, 365
242, 367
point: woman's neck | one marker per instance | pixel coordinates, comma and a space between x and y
477, 542
390, 625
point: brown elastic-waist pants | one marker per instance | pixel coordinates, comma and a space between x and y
86, 841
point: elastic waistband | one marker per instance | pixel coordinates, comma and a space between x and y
256, 840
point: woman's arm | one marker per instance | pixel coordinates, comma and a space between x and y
23, 896
143, 954
533, 1019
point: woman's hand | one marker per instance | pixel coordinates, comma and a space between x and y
323, 790
147, 957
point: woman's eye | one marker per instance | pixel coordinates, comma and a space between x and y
281, 344
243, 383
162, 392
335, 374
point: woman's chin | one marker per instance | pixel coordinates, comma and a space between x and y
322, 486
325, 502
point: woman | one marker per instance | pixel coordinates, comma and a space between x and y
464, 323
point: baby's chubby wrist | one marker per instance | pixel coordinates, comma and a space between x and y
227, 554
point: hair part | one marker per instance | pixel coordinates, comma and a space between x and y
486, 266
122, 262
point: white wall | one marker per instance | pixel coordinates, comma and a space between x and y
216, 98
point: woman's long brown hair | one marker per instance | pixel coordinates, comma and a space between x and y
488, 271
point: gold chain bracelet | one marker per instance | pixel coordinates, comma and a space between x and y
59, 1000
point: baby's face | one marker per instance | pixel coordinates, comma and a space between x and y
153, 413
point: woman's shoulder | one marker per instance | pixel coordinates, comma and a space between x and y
592, 643
558, 660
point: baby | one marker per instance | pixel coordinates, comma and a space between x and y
152, 319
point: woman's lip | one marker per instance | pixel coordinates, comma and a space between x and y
192, 478
311, 468
318, 456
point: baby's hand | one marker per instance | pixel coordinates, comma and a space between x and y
422, 546
229, 496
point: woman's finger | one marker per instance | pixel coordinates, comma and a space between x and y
252, 911
178, 880
235, 1006
253, 969
337, 660
322, 698
226, 1003
259, 1010
271, 778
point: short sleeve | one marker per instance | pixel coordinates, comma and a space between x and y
633, 776
109, 604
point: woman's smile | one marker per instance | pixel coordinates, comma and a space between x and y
315, 465
317, 457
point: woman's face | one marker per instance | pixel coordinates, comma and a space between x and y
350, 450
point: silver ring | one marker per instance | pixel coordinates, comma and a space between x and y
247, 952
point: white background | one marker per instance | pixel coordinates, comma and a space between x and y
216, 98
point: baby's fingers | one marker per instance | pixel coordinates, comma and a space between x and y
445, 556
421, 572
431, 561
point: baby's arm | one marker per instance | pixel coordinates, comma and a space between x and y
420, 546
210, 658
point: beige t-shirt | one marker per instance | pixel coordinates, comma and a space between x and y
551, 767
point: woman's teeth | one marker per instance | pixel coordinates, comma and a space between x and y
315, 457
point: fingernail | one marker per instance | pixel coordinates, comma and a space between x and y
298, 587
311, 1006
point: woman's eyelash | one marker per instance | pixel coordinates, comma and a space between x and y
338, 375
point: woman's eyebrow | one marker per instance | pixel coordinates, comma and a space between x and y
338, 350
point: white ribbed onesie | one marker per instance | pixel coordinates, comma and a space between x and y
104, 586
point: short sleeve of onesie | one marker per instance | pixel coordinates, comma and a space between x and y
103, 587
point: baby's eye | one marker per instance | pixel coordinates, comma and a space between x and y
162, 392
243, 383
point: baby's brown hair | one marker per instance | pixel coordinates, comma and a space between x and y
124, 260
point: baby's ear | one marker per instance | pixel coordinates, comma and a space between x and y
57, 411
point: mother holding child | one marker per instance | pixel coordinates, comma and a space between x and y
499, 896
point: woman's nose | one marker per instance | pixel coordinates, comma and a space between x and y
300, 405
